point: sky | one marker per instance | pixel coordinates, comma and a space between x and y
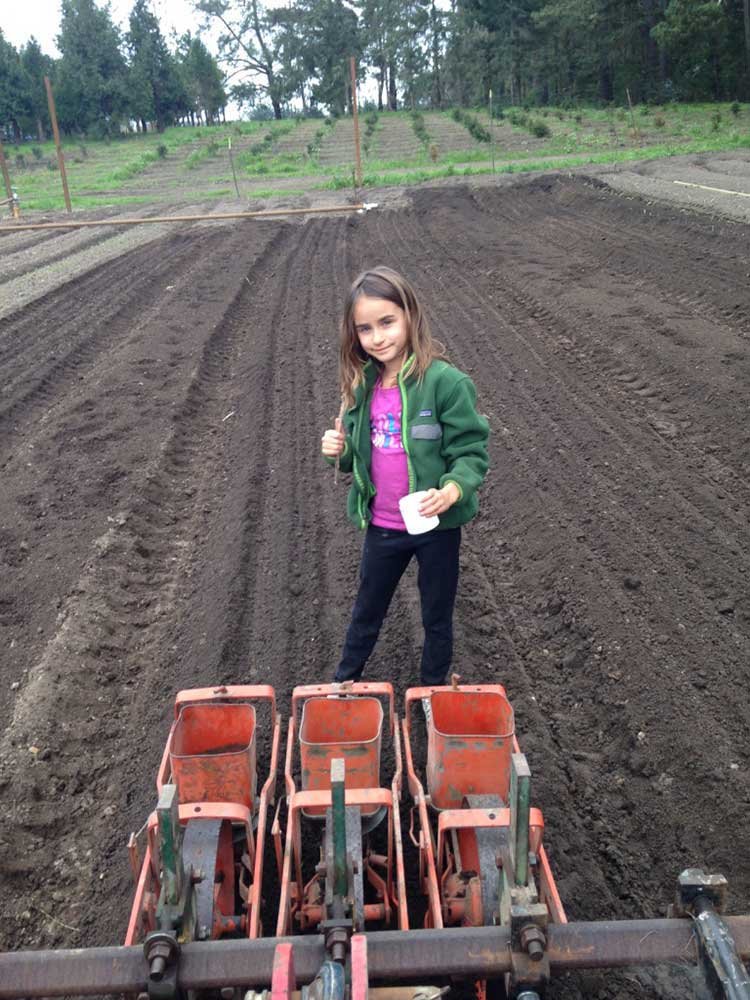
41, 18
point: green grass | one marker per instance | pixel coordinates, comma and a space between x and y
277, 165
408, 178
582, 129
135, 167
99, 167
274, 192
56, 203
116, 172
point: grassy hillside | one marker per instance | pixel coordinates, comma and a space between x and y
295, 156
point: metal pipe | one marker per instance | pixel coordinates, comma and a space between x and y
338, 817
393, 957
270, 213
720, 959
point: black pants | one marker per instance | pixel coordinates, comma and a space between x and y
385, 556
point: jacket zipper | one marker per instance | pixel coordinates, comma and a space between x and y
405, 433
357, 476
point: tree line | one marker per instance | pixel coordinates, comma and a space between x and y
420, 53
105, 80
423, 53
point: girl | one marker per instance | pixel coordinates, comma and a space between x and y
409, 423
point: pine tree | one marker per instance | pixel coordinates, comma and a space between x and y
201, 79
154, 85
36, 65
92, 73
15, 101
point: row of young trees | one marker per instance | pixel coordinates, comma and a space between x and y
105, 80
419, 52
423, 52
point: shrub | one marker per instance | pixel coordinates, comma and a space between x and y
716, 120
313, 147
420, 129
371, 120
660, 121
433, 153
578, 119
37, 152
735, 107
52, 164
161, 151
82, 150
472, 124
20, 161
539, 129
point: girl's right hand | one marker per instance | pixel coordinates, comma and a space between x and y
332, 444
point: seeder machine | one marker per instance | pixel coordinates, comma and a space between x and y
465, 901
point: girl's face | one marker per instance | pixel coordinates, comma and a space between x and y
382, 331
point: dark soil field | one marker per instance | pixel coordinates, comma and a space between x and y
166, 522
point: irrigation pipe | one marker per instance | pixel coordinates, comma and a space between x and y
705, 187
220, 216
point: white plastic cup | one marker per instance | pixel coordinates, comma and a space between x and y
415, 523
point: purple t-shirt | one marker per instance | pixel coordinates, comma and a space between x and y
389, 469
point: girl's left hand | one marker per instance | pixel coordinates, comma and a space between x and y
438, 501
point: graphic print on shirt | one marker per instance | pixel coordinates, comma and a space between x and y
385, 432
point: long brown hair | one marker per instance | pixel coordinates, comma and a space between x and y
384, 283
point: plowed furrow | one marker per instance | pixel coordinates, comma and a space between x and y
34, 365
697, 279
699, 505
566, 474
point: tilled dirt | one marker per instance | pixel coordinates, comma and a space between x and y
165, 522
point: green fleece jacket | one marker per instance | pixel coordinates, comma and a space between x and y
444, 437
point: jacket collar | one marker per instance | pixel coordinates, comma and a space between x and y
371, 371
370, 374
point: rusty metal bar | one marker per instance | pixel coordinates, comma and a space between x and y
6, 175
4, 230
58, 145
355, 116
393, 957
